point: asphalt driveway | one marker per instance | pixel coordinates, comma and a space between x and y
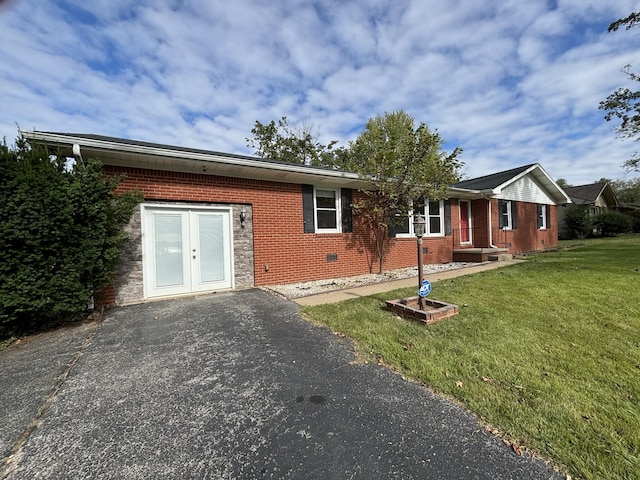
233, 385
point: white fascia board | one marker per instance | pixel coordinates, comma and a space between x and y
467, 194
149, 151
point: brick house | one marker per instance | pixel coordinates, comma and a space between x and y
212, 221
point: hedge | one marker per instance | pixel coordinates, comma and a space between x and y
61, 233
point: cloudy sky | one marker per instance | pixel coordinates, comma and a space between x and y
512, 82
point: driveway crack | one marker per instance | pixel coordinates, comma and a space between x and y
11, 462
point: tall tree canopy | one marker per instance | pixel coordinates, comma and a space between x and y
624, 103
627, 191
291, 144
401, 163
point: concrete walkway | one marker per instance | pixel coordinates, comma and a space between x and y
365, 291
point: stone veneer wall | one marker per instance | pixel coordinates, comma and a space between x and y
128, 280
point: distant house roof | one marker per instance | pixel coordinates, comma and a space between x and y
589, 194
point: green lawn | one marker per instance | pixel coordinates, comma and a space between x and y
546, 352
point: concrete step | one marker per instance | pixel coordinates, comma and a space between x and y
501, 257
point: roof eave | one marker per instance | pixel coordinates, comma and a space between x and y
152, 157
470, 194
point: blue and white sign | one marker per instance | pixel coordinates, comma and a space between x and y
425, 289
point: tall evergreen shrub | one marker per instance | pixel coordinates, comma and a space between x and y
578, 222
60, 234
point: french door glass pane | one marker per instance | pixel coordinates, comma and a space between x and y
168, 249
211, 254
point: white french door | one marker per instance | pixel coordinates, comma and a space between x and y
186, 250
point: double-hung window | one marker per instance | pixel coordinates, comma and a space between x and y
433, 213
327, 210
542, 217
506, 221
434, 216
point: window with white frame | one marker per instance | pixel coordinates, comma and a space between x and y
434, 216
433, 213
505, 214
542, 217
327, 210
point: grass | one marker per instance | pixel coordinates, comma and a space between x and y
546, 352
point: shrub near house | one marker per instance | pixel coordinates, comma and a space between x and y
61, 235
612, 223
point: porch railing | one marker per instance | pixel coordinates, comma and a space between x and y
464, 237
477, 237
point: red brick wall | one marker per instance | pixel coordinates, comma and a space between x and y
283, 253
527, 237
480, 223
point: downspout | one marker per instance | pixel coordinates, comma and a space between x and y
91, 305
76, 152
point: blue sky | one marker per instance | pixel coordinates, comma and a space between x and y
512, 82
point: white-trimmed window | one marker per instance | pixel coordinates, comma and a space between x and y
434, 216
433, 213
505, 215
327, 210
543, 215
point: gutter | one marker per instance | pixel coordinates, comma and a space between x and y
204, 156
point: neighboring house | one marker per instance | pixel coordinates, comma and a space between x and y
594, 197
213, 221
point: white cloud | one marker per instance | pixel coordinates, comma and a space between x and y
511, 82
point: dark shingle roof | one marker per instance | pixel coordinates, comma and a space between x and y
582, 194
489, 182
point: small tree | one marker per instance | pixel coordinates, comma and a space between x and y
61, 231
290, 144
401, 164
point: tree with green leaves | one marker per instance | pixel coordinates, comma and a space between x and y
401, 164
627, 191
60, 235
286, 143
624, 103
